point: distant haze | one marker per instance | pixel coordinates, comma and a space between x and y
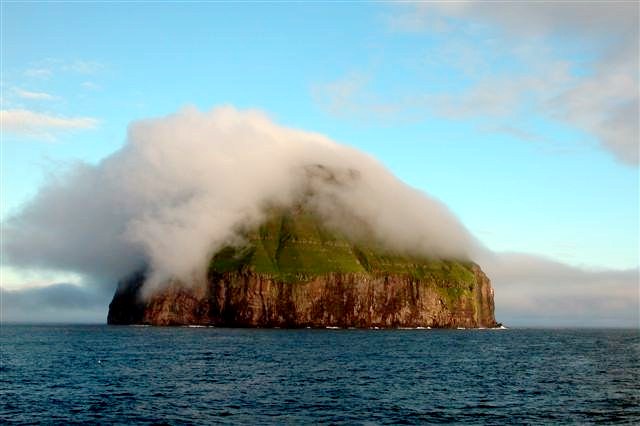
183, 186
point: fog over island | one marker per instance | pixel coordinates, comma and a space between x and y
506, 133
186, 185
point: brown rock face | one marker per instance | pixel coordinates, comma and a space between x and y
363, 300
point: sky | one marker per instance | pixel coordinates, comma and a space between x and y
521, 117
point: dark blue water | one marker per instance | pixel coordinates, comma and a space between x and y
82, 374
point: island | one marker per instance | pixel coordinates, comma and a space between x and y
295, 272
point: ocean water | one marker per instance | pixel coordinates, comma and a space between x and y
147, 375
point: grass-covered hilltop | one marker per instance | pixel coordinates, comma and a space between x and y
293, 271
293, 246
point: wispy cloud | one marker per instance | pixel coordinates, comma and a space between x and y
339, 95
38, 72
30, 123
574, 63
82, 67
533, 19
90, 85
605, 101
32, 95
352, 97
47, 68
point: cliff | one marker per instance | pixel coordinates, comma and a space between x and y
295, 273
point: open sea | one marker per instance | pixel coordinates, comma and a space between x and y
147, 375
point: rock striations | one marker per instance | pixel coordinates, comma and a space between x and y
294, 272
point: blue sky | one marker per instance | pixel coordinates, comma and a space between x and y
507, 120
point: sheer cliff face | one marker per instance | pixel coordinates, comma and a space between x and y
295, 273
247, 299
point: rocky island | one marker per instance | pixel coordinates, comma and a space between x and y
295, 272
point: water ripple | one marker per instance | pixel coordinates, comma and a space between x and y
124, 375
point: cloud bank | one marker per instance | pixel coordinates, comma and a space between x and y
183, 186
535, 291
56, 303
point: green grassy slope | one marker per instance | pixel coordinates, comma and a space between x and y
293, 246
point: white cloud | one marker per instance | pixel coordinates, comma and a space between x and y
186, 183
46, 68
30, 95
605, 101
89, 85
20, 278
39, 72
83, 67
575, 63
29, 123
